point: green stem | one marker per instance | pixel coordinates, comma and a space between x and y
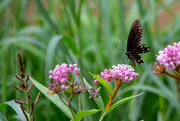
72, 93
71, 110
64, 96
102, 117
69, 106
79, 97
62, 100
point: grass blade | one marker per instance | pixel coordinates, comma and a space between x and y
2, 118
50, 54
121, 102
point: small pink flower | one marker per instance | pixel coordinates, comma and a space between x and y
77, 71
50, 71
64, 87
170, 56
62, 75
96, 81
50, 77
124, 72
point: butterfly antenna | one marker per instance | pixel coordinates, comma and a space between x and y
120, 48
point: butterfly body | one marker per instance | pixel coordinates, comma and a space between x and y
134, 47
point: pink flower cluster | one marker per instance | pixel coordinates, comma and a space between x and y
125, 72
60, 76
170, 56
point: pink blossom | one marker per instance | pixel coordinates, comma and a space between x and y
170, 56
64, 87
121, 71
61, 76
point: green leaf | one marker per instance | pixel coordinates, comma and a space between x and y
50, 53
98, 100
16, 108
105, 83
4, 5
35, 31
32, 49
53, 98
71, 44
46, 16
121, 102
81, 114
22, 39
27, 44
2, 118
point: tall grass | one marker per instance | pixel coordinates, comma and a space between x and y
88, 32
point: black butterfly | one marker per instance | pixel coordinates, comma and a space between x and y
133, 44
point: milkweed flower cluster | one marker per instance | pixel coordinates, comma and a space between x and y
121, 71
170, 56
62, 79
62, 76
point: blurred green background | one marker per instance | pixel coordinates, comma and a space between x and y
89, 33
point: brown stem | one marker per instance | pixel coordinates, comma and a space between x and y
173, 76
118, 85
22, 108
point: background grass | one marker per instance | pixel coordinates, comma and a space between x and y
88, 32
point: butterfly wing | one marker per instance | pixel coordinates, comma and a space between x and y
141, 49
135, 36
133, 45
138, 50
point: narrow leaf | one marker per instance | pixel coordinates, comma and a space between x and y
2, 118
4, 5
46, 16
50, 53
71, 44
81, 114
121, 102
32, 49
53, 98
105, 83
98, 100
16, 108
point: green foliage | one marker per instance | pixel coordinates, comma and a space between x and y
91, 32
15, 106
98, 100
105, 83
54, 98
121, 102
81, 114
2, 117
